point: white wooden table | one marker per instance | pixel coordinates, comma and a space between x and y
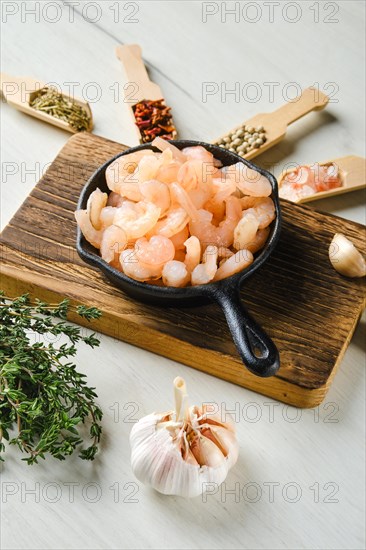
299, 481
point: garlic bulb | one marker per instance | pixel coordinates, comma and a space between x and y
345, 258
179, 452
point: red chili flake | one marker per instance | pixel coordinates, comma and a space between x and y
153, 119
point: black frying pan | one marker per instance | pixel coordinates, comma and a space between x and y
256, 349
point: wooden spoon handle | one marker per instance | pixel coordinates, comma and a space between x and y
134, 67
311, 99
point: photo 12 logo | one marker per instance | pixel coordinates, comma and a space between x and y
271, 91
62, 11
271, 492
270, 12
69, 491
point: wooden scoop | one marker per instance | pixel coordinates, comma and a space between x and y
275, 123
352, 173
20, 92
138, 85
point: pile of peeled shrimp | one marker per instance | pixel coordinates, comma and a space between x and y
305, 181
178, 217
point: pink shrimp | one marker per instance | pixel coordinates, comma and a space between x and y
259, 240
147, 259
161, 144
158, 193
132, 267
107, 216
169, 172
198, 153
92, 235
96, 202
250, 182
245, 231
113, 242
264, 211
174, 222
146, 169
204, 273
123, 167
137, 219
175, 274
234, 264
223, 235
193, 255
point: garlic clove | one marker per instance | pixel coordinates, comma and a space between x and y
345, 258
228, 442
206, 452
216, 418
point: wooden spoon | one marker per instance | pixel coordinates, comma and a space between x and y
275, 123
352, 172
138, 85
20, 92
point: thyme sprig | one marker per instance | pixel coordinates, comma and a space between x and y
43, 398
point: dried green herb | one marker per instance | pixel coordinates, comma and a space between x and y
57, 105
43, 398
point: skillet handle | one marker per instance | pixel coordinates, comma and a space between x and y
255, 347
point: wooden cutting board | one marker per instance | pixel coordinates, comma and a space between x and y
308, 309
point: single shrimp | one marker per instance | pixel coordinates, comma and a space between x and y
175, 274
245, 231
198, 153
259, 240
132, 267
154, 253
114, 240
137, 219
250, 182
158, 193
234, 264
169, 167
92, 235
146, 169
96, 202
204, 273
193, 255
123, 167
161, 144
174, 222
179, 239
107, 216
223, 235
264, 211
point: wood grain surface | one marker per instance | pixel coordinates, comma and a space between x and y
306, 307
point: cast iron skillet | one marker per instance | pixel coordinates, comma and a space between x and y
256, 349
